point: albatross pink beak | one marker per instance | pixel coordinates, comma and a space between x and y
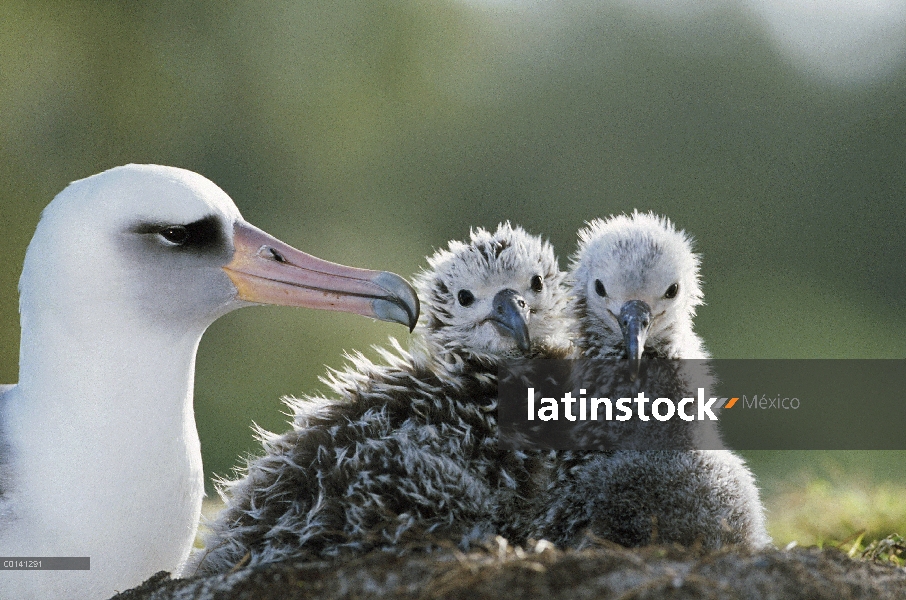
268, 271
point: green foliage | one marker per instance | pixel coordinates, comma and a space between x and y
848, 515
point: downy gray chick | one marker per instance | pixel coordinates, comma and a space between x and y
407, 451
635, 289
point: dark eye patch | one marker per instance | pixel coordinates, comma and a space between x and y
203, 236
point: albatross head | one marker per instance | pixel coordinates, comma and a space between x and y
636, 286
493, 297
168, 245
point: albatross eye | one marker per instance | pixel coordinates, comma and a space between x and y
175, 234
599, 288
465, 297
672, 291
537, 283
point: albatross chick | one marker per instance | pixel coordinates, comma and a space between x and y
635, 289
407, 451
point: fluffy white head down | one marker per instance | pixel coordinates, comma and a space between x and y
636, 257
508, 258
101, 452
89, 249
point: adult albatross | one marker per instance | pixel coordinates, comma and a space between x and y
100, 456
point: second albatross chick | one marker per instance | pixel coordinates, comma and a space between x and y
636, 286
408, 449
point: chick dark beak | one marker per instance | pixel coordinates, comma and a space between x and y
635, 321
510, 314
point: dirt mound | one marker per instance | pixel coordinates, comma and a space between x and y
502, 571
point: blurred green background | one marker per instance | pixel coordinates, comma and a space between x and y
371, 132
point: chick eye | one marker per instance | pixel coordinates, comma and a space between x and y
537, 283
672, 291
599, 288
175, 234
465, 297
